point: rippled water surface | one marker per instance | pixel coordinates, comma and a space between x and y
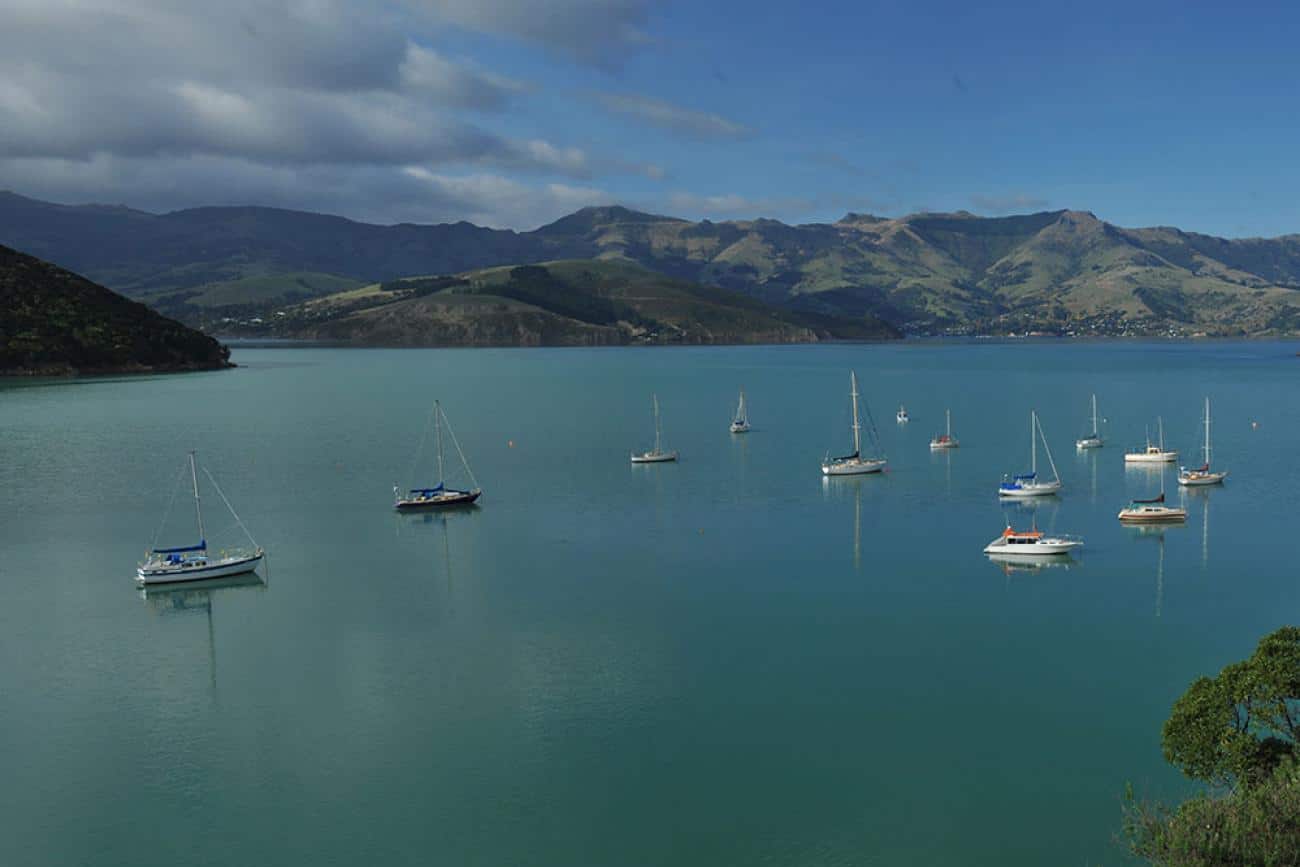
721, 661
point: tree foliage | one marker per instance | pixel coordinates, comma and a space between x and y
1239, 730
1239, 725
54, 321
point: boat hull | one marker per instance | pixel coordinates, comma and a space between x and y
448, 500
1200, 479
652, 458
1089, 443
740, 428
937, 445
215, 569
1150, 457
853, 468
1045, 489
1166, 515
1052, 547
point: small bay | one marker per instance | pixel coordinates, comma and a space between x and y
727, 660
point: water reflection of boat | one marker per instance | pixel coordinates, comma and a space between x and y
196, 597
1031, 562
1156, 533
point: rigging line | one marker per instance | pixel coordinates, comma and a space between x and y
456, 443
419, 450
230, 507
167, 514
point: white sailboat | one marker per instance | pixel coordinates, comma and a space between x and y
1028, 484
656, 455
439, 495
1202, 475
1092, 440
854, 464
740, 423
1031, 543
193, 562
902, 416
1154, 510
945, 440
1154, 453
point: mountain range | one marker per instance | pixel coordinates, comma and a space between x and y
1056, 271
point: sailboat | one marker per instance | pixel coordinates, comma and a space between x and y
854, 464
1092, 440
945, 440
1153, 510
740, 424
1202, 475
1153, 453
902, 416
192, 562
439, 495
1028, 484
656, 455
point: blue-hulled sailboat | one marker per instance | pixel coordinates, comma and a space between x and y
440, 495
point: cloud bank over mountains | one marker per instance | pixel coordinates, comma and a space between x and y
359, 108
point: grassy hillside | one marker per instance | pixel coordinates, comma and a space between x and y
1060, 271
56, 322
578, 302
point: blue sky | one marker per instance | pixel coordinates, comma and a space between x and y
512, 113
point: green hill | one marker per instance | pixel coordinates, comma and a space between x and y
56, 322
573, 302
1056, 271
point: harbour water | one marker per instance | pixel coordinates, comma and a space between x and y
727, 660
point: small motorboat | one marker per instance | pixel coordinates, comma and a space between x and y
1031, 543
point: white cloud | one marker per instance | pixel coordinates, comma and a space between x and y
675, 118
598, 32
1003, 204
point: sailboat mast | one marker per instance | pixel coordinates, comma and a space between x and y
1094, 415
658, 432
1207, 431
437, 422
198, 512
1160, 423
947, 416
1033, 442
853, 391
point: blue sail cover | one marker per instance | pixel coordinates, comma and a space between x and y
1016, 481
424, 492
202, 546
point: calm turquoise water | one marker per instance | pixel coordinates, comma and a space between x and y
722, 661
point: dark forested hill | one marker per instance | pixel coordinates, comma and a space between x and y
54, 322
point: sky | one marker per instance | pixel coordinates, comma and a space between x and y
512, 113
